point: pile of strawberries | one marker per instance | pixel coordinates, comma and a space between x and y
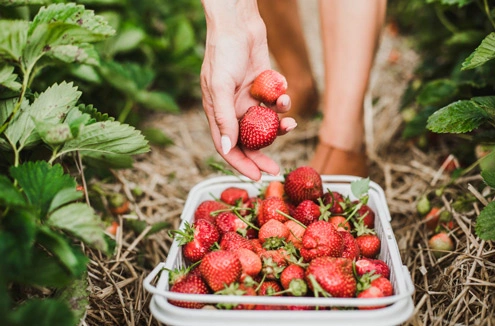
293, 239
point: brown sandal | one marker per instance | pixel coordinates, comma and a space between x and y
330, 160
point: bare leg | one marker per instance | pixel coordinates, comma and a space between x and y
288, 47
350, 31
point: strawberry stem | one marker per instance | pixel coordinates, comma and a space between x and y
291, 218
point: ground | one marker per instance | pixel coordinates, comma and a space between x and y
444, 287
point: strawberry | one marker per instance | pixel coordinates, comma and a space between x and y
196, 239
303, 183
191, 284
232, 241
366, 215
236, 289
119, 204
250, 262
440, 244
234, 196
336, 201
321, 239
340, 222
351, 248
220, 268
274, 188
369, 245
307, 212
371, 292
258, 128
229, 222
384, 285
268, 86
206, 208
269, 209
432, 218
291, 272
274, 262
333, 276
296, 232
274, 232
366, 265
257, 246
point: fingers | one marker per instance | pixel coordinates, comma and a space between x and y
286, 124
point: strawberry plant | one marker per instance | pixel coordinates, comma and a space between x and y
46, 139
453, 91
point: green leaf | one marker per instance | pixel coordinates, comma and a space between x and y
483, 53
157, 101
458, 117
489, 177
83, 54
485, 223
360, 187
465, 37
128, 38
157, 136
9, 195
102, 140
62, 24
60, 248
51, 106
77, 293
8, 78
437, 92
22, 2
53, 133
13, 38
487, 103
487, 162
183, 36
41, 182
43, 312
6, 109
459, 3
64, 197
80, 220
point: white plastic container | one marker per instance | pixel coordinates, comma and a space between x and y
399, 306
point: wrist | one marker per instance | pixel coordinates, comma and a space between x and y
226, 14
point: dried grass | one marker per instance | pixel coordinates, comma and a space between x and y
457, 289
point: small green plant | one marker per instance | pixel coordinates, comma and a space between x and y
46, 139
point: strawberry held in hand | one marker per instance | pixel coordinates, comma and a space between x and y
268, 87
258, 127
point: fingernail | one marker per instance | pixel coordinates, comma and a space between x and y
226, 144
292, 126
285, 101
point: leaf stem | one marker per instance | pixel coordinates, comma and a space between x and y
487, 11
444, 20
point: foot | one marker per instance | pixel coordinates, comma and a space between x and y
331, 160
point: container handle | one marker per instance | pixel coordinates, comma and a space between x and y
147, 281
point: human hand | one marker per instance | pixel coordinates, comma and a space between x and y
236, 52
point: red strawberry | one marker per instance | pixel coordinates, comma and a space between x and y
229, 222
274, 232
269, 209
366, 214
196, 239
250, 262
371, 292
432, 218
270, 288
321, 239
291, 272
192, 284
274, 188
237, 289
303, 183
384, 285
296, 232
367, 265
257, 246
340, 223
234, 195
307, 212
336, 201
351, 248
258, 127
268, 86
369, 245
220, 268
205, 209
232, 241
440, 244
274, 262
332, 275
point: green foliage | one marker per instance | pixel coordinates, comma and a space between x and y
456, 80
43, 218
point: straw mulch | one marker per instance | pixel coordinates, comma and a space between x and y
457, 289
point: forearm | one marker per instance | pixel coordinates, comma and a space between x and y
225, 14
